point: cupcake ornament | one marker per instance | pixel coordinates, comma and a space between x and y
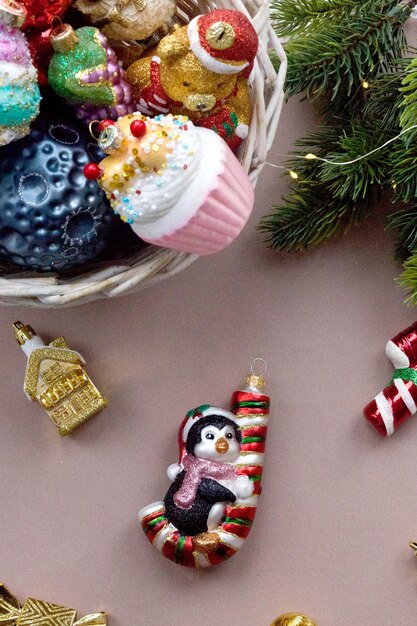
179, 186
19, 92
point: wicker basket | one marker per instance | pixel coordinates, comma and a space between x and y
154, 264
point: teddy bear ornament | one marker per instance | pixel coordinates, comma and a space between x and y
201, 70
209, 509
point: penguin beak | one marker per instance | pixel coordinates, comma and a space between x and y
221, 445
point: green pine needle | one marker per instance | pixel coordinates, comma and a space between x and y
404, 223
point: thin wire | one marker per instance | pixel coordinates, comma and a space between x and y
262, 361
314, 157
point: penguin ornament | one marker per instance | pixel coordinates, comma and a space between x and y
209, 509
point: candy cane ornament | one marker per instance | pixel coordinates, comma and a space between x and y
395, 404
209, 509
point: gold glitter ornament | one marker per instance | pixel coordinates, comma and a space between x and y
201, 70
56, 380
293, 619
39, 613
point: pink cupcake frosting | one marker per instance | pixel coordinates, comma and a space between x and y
178, 186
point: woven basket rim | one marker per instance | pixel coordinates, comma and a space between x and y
159, 263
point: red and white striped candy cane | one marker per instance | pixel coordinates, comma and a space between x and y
251, 410
395, 404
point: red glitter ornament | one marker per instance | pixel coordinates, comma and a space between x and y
92, 171
41, 52
138, 128
104, 124
41, 12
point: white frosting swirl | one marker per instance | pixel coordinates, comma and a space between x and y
150, 194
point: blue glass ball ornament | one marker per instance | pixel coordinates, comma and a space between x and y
51, 217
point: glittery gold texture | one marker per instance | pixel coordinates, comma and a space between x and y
220, 36
293, 619
40, 613
54, 378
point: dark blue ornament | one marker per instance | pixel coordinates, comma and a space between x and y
51, 217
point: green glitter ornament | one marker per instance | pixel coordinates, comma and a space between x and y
84, 68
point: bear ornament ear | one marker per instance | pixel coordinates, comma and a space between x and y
174, 46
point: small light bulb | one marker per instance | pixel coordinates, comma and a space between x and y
310, 156
365, 84
293, 174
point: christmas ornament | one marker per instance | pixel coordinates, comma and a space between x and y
51, 218
201, 71
41, 12
85, 70
121, 20
41, 51
209, 509
39, 613
19, 91
398, 401
56, 380
293, 619
177, 185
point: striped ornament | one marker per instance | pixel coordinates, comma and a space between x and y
395, 404
251, 409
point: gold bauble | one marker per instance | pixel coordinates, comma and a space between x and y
293, 619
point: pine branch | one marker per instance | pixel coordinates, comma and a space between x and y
404, 171
300, 16
354, 180
309, 216
383, 98
404, 224
343, 53
408, 90
408, 278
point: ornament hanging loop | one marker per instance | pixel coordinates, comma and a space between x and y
253, 367
255, 379
63, 37
91, 131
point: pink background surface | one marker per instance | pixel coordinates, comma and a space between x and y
339, 503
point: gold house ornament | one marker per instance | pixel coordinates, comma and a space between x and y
55, 378
39, 613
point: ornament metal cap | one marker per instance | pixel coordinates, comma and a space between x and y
63, 37
256, 381
23, 332
12, 13
413, 546
293, 619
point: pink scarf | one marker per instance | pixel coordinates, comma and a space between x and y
195, 471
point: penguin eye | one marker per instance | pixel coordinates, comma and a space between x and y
209, 436
229, 436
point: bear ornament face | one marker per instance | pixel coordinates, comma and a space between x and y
187, 81
201, 71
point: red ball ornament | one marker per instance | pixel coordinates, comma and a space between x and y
92, 171
138, 128
104, 124
41, 12
41, 52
